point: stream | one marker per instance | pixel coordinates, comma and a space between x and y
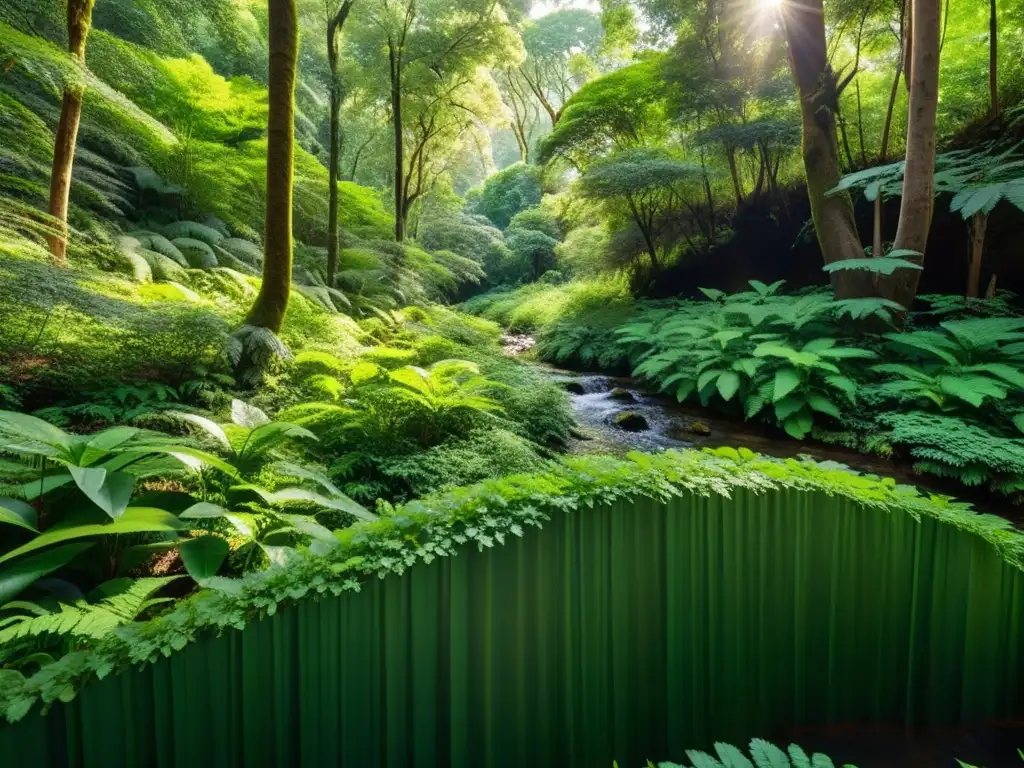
598, 400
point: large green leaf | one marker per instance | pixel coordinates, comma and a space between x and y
134, 520
786, 380
212, 428
341, 503
110, 491
21, 425
799, 424
17, 512
881, 265
19, 576
728, 384
203, 556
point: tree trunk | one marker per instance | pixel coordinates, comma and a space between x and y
270, 305
860, 130
919, 176
333, 241
334, 26
993, 58
876, 245
977, 226
79, 22
395, 62
804, 24
730, 154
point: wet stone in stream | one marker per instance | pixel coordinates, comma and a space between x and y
630, 421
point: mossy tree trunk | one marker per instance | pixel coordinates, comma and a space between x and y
334, 27
272, 301
918, 199
79, 22
804, 24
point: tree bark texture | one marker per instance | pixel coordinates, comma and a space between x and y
270, 305
79, 21
919, 176
804, 24
977, 226
395, 65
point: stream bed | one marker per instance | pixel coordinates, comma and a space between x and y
653, 422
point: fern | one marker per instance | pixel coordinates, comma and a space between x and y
120, 602
763, 754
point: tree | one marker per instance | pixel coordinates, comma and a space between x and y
524, 112
270, 305
617, 111
335, 23
79, 22
648, 184
560, 48
508, 192
804, 26
919, 175
422, 49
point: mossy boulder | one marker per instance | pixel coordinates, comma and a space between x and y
198, 254
622, 395
631, 421
574, 388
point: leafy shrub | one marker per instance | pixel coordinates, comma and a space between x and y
506, 193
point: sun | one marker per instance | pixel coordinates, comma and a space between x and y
771, 4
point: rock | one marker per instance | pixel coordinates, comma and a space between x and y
630, 421
698, 428
575, 388
622, 394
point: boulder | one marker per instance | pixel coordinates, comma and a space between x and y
623, 395
631, 421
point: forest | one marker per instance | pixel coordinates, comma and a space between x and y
512, 383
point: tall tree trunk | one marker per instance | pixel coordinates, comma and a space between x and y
919, 175
977, 227
270, 305
395, 64
730, 155
860, 130
993, 58
804, 24
79, 22
333, 240
334, 27
876, 244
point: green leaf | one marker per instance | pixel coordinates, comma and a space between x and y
798, 425
247, 416
19, 576
212, 428
799, 757
712, 293
767, 755
203, 556
702, 759
341, 503
786, 380
19, 513
1018, 421
21, 425
881, 265
731, 756
204, 510
134, 520
728, 384
789, 405
110, 491
822, 404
